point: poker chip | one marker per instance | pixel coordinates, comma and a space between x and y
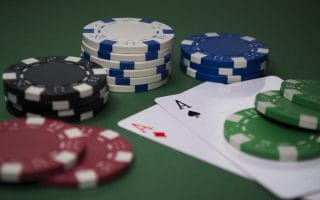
128, 35
302, 92
63, 87
135, 52
253, 134
34, 147
107, 155
57, 105
272, 105
66, 112
71, 115
54, 78
224, 50
138, 81
223, 57
125, 57
215, 70
137, 88
126, 65
139, 73
218, 78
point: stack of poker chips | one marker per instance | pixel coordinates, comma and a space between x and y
135, 52
64, 87
61, 154
283, 126
223, 57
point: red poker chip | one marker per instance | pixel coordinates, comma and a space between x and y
34, 147
107, 155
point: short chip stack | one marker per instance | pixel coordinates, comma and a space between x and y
283, 126
65, 87
55, 153
135, 52
223, 57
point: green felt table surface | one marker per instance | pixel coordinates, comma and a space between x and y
40, 28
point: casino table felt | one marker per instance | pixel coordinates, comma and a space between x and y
289, 28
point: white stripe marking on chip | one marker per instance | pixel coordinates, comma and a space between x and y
212, 34
292, 81
109, 134
124, 156
264, 105
196, 57
86, 178
9, 76
287, 153
10, 172
289, 93
72, 59
66, 158
307, 121
33, 93
248, 38
239, 62
187, 42
84, 89
238, 139
29, 61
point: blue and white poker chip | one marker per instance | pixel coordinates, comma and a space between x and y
126, 57
139, 73
222, 70
224, 50
137, 88
138, 81
128, 35
125, 65
218, 78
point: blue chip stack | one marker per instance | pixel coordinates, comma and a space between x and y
223, 57
135, 52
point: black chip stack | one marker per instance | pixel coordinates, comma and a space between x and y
64, 87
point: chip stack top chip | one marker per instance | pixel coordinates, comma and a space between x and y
128, 35
64, 87
138, 49
223, 57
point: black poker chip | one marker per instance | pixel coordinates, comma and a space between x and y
72, 115
56, 105
54, 78
75, 109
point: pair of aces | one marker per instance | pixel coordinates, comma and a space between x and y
195, 118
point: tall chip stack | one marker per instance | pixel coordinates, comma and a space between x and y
135, 52
223, 57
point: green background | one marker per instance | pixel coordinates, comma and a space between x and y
41, 28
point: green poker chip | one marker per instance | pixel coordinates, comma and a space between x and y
273, 105
250, 132
302, 92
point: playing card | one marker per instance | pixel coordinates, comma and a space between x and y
157, 125
315, 196
213, 103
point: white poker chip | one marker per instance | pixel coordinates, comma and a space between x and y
128, 35
125, 65
139, 80
137, 88
137, 57
139, 73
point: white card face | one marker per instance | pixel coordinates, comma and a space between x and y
312, 197
214, 103
157, 125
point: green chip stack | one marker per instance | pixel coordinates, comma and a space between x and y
284, 125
